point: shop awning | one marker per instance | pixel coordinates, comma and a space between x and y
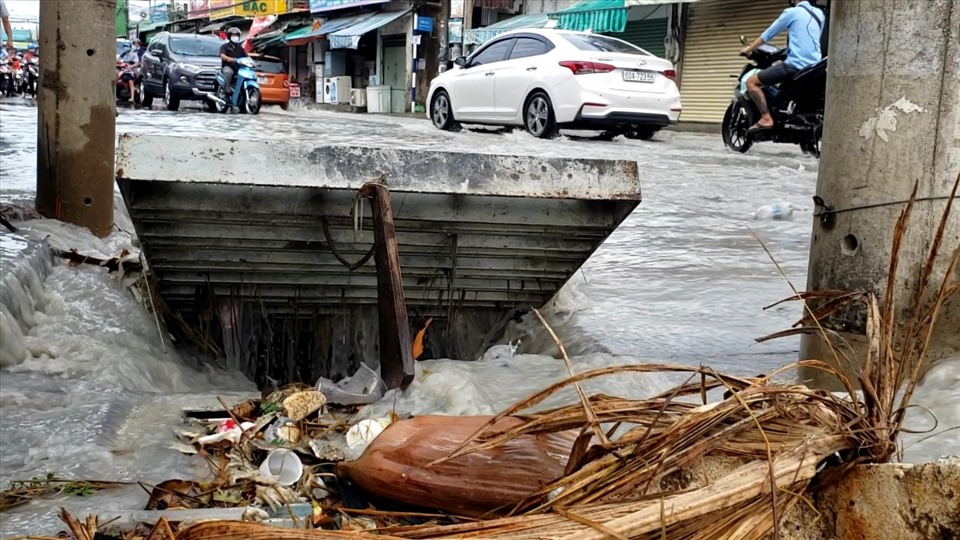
599, 16
320, 29
479, 36
349, 38
631, 3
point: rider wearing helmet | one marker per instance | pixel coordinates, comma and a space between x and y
229, 53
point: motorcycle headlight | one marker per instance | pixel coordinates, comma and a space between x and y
190, 68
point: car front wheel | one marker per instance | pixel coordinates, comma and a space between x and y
538, 117
172, 103
442, 113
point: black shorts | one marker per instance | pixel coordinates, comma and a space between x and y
776, 74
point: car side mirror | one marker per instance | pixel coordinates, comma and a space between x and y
461, 61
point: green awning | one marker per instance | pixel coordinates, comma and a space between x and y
479, 36
598, 16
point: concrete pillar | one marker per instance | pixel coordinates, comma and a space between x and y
892, 119
77, 110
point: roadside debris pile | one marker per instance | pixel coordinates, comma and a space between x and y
294, 465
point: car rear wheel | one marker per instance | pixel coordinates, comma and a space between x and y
643, 134
441, 112
172, 103
538, 117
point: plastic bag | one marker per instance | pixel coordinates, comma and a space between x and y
363, 388
394, 465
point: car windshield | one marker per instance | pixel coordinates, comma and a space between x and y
270, 66
195, 46
588, 42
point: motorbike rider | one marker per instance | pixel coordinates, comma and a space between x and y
31, 52
139, 48
230, 52
131, 60
804, 25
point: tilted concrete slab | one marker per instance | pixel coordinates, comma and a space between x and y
245, 219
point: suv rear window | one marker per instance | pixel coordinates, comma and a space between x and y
587, 42
195, 46
273, 67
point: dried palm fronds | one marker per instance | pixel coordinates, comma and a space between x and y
785, 432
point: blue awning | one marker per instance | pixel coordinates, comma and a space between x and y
349, 38
598, 16
479, 36
318, 30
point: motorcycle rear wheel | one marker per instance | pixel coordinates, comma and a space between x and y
736, 122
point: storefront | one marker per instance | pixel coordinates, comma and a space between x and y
354, 45
711, 52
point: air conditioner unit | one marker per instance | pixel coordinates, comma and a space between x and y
358, 97
337, 89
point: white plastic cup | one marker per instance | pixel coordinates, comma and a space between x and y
284, 465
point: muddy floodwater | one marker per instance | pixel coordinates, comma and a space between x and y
91, 391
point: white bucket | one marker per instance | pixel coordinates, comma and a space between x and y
284, 465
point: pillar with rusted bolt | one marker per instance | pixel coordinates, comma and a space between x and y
892, 120
77, 109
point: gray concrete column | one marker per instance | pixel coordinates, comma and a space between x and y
77, 110
892, 119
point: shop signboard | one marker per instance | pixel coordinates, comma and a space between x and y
327, 5
159, 13
455, 30
294, 90
259, 25
259, 8
456, 9
423, 24
198, 8
220, 9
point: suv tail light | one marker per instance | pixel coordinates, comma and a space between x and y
670, 74
586, 68
286, 82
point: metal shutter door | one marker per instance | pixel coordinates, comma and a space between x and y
711, 59
647, 35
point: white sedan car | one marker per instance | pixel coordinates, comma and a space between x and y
545, 80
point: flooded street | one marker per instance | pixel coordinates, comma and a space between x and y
92, 391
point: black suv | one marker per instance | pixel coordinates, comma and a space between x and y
175, 64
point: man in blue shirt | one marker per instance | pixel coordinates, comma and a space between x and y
804, 25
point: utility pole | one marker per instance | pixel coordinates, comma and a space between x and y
77, 112
892, 120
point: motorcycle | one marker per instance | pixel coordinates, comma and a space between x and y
6, 79
125, 74
246, 90
32, 78
796, 105
18, 78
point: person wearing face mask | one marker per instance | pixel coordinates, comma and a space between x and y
804, 26
229, 53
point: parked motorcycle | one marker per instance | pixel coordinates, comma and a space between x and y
125, 74
246, 91
796, 105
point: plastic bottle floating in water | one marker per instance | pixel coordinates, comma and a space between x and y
778, 211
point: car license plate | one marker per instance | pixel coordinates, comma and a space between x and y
262, 80
639, 76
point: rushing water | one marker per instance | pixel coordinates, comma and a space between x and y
89, 389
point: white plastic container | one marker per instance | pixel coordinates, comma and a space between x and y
378, 99
284, 465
